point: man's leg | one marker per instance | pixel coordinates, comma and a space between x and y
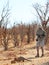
42, 51
37, 52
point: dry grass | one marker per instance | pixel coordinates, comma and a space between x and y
26, 51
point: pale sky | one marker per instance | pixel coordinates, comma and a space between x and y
21, 10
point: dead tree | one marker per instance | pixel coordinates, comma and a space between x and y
33, 31
14, 33
3, 23
5, 40
21, 32
42, 13
5, 36
28, 34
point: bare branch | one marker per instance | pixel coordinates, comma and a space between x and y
46, 10
36, 8
5, 13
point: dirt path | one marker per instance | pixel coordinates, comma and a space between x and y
29, 53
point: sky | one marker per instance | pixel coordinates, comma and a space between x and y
21, 10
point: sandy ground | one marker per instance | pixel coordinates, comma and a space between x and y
27, 51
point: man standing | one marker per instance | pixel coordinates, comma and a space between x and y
40, 41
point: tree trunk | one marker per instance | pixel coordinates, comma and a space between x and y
5, 44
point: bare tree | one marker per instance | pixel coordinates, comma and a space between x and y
4, 14
15, 34
28, 33
21, 32
4, 22
33, 31
42, 12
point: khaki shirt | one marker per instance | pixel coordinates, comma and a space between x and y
40, 34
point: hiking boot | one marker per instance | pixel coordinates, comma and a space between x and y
37, 56
42, 55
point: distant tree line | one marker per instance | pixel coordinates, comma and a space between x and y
22, 34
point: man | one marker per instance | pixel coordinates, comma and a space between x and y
40, 41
